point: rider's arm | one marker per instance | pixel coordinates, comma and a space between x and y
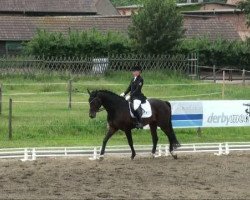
128, 89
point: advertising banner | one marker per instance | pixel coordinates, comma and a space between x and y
231, 113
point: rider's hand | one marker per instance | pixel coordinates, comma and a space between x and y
127, 97
122, 94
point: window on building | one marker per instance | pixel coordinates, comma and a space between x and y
13, 47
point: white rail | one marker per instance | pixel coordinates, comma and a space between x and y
93, 152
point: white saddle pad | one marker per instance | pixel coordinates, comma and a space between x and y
146, 110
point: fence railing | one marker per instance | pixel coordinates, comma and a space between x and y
26, 154
89, 65
216, 73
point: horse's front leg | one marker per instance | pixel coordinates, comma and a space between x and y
130, 142
153, 129
109, 134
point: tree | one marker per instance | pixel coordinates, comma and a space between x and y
245, 5
157, 27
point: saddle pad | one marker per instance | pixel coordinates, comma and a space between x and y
146, 110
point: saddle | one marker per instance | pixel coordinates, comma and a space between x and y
145, 108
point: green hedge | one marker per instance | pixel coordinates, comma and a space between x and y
86, 43
95, 44
219, 52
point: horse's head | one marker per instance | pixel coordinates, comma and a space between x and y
95, 103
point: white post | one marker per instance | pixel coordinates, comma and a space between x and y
160, 151
167, 153
194, 147
65, 151
227, 149
25, 158
220, 150
33, 154
94, 155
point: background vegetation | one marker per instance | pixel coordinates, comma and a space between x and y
49, 122
219, 52
157, 28
147, 35
76, 44
95, 44
245, 5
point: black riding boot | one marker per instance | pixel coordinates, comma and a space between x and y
138, 115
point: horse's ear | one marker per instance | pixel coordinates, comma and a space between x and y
88, 91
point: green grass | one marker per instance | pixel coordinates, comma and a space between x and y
53, 124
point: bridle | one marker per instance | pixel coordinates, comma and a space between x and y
100, 109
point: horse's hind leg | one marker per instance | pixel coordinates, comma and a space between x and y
153, 129
173, 142
130, 142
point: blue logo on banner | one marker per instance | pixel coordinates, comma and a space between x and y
187, 120
187, 114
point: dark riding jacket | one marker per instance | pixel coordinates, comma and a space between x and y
134, 88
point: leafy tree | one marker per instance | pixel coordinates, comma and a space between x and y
245, 5
157, 27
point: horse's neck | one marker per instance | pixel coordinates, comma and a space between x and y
110, 103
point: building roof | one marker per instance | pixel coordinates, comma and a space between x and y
55, 6
16, 28
21, 28
210, 27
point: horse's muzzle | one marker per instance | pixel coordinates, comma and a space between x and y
92, 115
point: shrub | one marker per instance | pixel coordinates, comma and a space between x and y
219, 52
86, 43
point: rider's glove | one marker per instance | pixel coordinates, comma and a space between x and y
127, 97
122, 94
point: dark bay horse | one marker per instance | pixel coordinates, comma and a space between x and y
119, 118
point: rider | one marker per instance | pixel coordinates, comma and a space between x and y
136, 96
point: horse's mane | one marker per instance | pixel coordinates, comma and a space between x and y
110, 93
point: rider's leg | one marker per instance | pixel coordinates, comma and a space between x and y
138, 113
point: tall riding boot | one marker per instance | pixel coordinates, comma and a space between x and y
139, 124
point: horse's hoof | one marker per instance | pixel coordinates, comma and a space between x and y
101, 158
132, 157
153, 155
174, 155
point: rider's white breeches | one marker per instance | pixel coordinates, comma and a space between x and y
136, 104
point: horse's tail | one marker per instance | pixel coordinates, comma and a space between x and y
169, 106
170, 118
176, 143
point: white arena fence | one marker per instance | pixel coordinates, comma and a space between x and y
26, 154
